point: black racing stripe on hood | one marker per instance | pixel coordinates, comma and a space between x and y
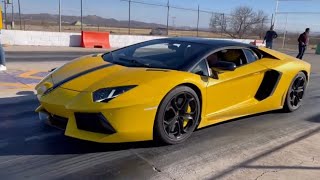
76, 76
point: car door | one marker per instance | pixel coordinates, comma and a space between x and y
232, 92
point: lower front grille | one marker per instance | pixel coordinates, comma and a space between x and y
94, 122
58, 121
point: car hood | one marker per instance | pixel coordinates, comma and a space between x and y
92, 73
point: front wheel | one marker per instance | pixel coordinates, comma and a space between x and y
178, 116
295, 93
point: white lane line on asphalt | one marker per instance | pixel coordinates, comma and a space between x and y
40, 56
42, 136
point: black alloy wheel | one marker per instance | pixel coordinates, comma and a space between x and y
178, 116
296, 93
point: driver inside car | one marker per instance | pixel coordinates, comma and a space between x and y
213, 59
230, 55
233, 55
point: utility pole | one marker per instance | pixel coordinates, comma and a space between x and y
168, 4
81, 17
198, 21
20, 14
59, 15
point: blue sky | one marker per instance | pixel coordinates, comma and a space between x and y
119, 10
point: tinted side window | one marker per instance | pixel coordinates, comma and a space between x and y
251, 56
201, 69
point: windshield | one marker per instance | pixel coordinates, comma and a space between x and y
163, 53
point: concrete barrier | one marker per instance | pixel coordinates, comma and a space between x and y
41, 38
126, 40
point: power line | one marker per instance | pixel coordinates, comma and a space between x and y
298, 12
171, 6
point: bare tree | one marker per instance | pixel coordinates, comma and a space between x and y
242, 22
217, 22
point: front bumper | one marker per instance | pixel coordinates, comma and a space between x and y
53, 120
121, 123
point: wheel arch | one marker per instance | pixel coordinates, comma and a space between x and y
199, 94
305, 73
286, 93
195, 88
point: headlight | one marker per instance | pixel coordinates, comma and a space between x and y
44, 88
107, 94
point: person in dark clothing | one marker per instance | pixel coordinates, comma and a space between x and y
303, 43
268, 38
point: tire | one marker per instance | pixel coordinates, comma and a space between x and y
178, 116
295, 93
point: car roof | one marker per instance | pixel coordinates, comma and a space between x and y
215, 43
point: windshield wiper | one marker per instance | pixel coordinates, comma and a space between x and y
139, 63
113, 60
134, 61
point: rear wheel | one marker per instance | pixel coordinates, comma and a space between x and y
295, 93
178, 116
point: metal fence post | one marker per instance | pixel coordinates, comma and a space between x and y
59, 15
276, 13
81, 15
129, 23
20, 14
168, 17
262, 28
222, 24
5, 14
12, 16
198, 21
285, 32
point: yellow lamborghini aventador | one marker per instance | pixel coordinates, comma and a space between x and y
164, 89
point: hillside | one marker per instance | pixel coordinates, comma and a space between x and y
45, 18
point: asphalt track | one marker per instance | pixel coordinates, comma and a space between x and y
30, 149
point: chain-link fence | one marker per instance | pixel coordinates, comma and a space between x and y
145, 18
290, 25
132, 17
290, 22
115, 16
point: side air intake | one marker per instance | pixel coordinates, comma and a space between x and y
268, 84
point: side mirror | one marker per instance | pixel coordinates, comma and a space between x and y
173, 47
200, 73
224, 65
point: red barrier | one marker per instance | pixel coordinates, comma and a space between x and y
257, 43
90, 39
